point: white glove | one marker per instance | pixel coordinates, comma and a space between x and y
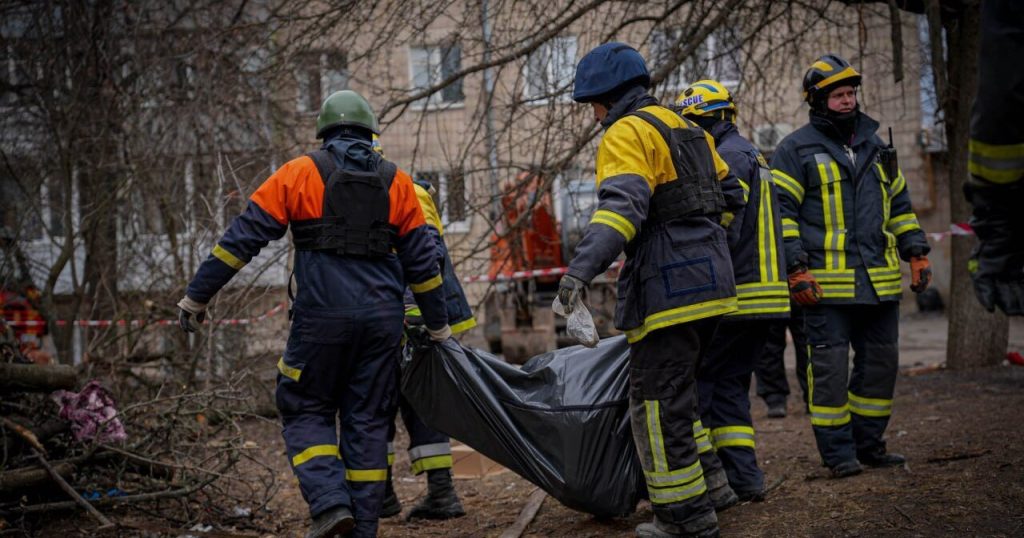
440, 335
191, 314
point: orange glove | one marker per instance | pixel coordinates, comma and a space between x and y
920, 273
804, 288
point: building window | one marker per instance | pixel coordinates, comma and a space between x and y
550, 69
428, 66
717, 58
450, 197
318, 75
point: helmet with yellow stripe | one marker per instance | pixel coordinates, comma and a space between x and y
707, 98
826, 74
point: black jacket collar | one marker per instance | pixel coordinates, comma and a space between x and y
634, 99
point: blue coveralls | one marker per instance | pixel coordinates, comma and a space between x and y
339, 363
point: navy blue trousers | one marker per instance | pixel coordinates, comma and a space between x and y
723, 401
429, 449
339, 367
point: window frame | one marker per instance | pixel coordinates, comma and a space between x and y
435, 53
552, 81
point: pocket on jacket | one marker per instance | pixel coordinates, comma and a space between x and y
688, 277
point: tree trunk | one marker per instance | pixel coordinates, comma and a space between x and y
976, 337
37, 377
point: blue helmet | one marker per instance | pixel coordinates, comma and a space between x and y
607, 68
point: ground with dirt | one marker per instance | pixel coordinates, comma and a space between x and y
961, 432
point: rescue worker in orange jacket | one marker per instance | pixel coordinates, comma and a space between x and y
360, 239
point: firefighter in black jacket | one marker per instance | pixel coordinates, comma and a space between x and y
846, 215
996, 161
723, 378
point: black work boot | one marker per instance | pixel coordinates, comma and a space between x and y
777, 410
703, 527
846, 468
880, 458
721, 495
392, 506
335, 521
441, 501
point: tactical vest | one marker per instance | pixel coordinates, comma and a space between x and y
356, 208
696, 190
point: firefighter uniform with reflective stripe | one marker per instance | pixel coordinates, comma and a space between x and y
723, 379
662, 206
430, 449
849, 222
340, 358
996, 160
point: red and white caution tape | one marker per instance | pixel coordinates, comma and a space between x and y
141, 322
957, 228
522, 275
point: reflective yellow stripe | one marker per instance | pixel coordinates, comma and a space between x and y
998, 163
790, 228
683, 314
228, 258
761, 306
849, 72
463, 326
413, 311
654, 436
791, 185
315, 451
677, 494
832, 211
898, 185
840, 218
391, 459
829, 416
869, 407
614, 221
904, 223
424, 287
674, 478
733, 436
432, 462
767, 256
700, 436
366, 475
746, 189
288, 371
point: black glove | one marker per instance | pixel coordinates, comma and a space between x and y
191, 314
570, 288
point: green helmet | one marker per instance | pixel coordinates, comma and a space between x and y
345, 108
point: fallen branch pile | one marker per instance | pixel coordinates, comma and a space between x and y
173, 454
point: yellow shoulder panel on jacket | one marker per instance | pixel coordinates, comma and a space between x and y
430, 212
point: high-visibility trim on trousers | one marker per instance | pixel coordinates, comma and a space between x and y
677, 485
366, 475
657, 440
700, 435
733, 436
869, 407
430, 457
822, 415
288, 371
315, 451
